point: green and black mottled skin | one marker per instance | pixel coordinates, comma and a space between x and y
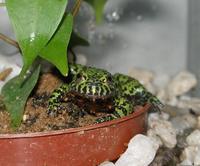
98, 84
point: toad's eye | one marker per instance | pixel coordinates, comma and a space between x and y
81, 76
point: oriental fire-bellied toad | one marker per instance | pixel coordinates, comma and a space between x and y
93, 84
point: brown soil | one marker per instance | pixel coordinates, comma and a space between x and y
35, 117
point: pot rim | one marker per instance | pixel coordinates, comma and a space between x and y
80, 130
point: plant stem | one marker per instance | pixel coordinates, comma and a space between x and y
4, 74
2, 4
9, 40
76, 8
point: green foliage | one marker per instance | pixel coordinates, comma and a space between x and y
39, 31
15, 94
55, 51
98, 6
42, 29
34, 22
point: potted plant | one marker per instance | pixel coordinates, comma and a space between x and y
45, 30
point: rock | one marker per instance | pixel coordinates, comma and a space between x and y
194, 138
189, 154
153, 116
185, 163
164, 116
190, 103
183, 122
107, 163
161, 81
162, 95
152, 135
172, 101
198, 122
166, 98
157, 116
144, 76
141, 151
181, 138
164, 129
197, 158
183, 82
179, 85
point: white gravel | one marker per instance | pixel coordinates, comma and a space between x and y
163, 129
141, 151
194, 138
107, 163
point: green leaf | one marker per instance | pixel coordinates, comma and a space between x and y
98, 6
15, 94
34, 22
77, 40
56, 49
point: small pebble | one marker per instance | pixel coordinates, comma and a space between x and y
152, 135
198, 122
164, 129
107, 163
158, 116
184, 122
194, 138
189, 154
181, 138
162, 95
25, 117
164, 116
140, 152
197, 158
183, 82
185, 163
190, 103
144, 76
161, 80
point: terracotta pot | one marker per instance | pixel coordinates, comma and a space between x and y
84, 146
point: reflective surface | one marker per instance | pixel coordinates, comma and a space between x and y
138, 33
151, 34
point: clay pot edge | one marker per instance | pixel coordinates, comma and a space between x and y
138, 112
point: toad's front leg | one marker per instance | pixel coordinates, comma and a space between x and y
55, 100
122, 107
